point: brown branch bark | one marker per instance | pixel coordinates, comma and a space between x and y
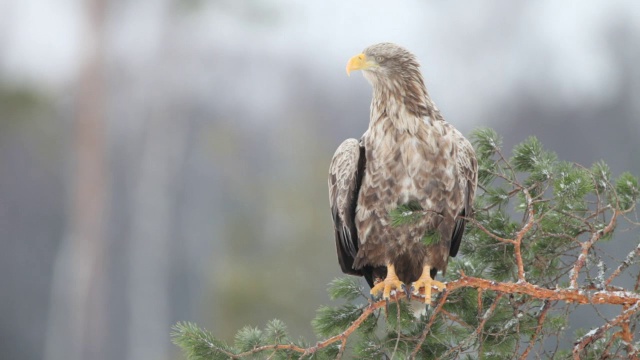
578, 296
625, 333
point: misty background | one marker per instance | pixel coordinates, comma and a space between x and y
166, 160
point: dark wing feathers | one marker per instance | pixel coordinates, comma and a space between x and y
468, 174
345, 176
456, 238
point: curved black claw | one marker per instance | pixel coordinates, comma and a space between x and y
406, 291
373, 298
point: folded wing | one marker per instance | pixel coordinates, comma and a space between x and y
345, 177
468, 178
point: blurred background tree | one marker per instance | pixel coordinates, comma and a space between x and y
220, 118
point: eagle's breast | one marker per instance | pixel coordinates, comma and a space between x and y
404, 164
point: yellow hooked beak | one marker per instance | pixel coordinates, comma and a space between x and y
359, 62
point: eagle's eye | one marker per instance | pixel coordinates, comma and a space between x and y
379, 59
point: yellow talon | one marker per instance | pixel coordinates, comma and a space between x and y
391, 282
425, 281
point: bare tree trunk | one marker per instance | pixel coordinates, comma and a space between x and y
153, 218
153, 225
77, 327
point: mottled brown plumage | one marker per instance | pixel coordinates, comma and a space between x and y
408, 154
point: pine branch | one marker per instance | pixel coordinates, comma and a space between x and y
188, 336
597, 333
569, 295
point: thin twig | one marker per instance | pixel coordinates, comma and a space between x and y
586, 246
520, 235
478, 331
395, 348
455, 318
635, 252
486, 231
441, 302
532, 341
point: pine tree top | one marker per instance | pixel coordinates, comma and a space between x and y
535, 250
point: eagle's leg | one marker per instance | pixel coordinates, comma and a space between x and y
389, 283
425, 281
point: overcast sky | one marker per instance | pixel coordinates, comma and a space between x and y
40, 39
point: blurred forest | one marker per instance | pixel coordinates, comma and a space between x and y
166, 160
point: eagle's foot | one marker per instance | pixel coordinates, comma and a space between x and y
425, 281
391, 282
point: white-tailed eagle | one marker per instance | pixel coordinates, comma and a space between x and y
408, 156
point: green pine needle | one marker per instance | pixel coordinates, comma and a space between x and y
199, 344
347, 288
486, 142
627, 190
276, 332
543, 167
497, 196
249, 338
369, 349
571, 186
601, 176
527, 154
406, 316
431, 238
487, 170
406, 214
333, 320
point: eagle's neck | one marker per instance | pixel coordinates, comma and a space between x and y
403, 100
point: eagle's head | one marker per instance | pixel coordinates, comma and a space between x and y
395, 75
384, 62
